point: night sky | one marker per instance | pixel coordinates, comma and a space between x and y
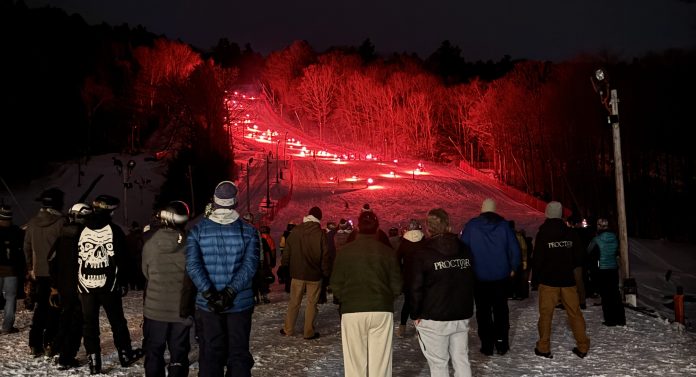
485, 29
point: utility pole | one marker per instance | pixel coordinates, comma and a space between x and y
285, 161
247, 184
620, 198
268, 182
277, 162
125, 180
600, 83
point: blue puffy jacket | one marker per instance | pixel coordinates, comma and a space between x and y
220, 255
494, 246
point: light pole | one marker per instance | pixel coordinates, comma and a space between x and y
125, 175
610, 100
285, 161
268, 182
277, 162
251, 159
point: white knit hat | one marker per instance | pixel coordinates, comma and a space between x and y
488, 205
554, 210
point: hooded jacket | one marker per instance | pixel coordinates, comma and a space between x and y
557, 252
63, 260
494, 246
307, 251
366, 276
223, 251
411, 242
164, 267
42, 232
440, 280
102, 257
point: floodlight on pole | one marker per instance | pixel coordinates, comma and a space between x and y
610, 100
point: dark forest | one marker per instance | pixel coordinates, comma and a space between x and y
73, 90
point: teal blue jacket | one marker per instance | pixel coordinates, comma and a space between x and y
608, 250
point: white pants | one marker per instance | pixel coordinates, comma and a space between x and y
367, 343
440, 340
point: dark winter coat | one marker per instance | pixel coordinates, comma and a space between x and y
307, 252
164, 266
440, 280
12, 261
223, 251
341, 238
380, 236
102, 256
411, 242
42, 232
63, 264
557, 252
366, 276
494, 246
331, 241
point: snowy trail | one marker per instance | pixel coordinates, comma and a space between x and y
647, 346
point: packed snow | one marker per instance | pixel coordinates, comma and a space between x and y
650, 343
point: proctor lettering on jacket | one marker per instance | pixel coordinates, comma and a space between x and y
454, 263
557, 244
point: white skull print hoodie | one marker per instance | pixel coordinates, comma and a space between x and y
101, 253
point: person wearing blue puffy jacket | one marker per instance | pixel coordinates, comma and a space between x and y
222, 256
496, 255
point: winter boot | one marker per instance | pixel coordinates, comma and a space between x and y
128, 356
177, 370
401, 331
95, 364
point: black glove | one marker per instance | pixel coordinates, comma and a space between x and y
214, 299
54, 298
124, 290
187, 321
228, 296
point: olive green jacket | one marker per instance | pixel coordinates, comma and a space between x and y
366, 276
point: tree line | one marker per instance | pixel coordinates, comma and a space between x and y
75, 90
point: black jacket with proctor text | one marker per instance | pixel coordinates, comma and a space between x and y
557, 251
440, 279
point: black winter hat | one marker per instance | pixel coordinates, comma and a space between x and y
368, 222
225, 195
5, 212
105, 203
52, 198
316, 212
175, 214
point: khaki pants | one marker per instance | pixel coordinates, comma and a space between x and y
548, 299
297, 290
367, 343
580, 284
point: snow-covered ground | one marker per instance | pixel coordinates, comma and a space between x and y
646, 346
